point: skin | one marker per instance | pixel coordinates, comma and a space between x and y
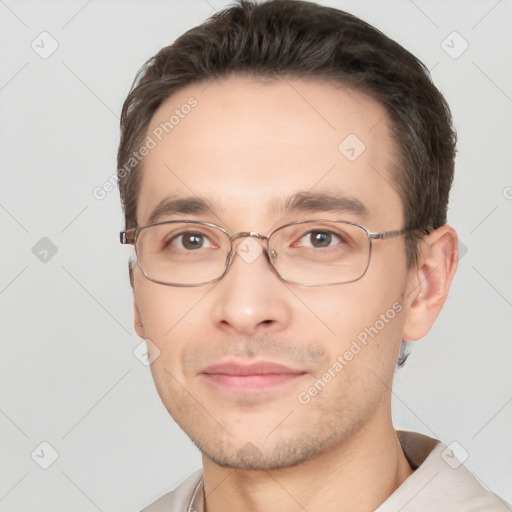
246, 146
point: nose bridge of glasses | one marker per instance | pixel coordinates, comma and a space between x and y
238, 237
247, 234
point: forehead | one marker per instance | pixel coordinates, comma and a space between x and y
246, 144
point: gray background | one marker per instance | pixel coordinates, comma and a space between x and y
68, 373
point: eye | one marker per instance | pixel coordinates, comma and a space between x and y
318, 239
190, 241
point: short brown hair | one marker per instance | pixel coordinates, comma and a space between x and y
303, 39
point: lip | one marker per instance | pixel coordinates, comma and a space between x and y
257, 376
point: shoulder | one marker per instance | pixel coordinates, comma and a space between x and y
439, 482
179, 499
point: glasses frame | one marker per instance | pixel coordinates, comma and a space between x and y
129, 236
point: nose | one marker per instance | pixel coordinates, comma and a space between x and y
251, 298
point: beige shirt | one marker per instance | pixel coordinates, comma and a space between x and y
439, 483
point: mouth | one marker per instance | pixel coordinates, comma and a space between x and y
258, 376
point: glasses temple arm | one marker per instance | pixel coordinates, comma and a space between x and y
127, 236
391, 234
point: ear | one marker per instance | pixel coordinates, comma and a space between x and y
430, 281
137, 321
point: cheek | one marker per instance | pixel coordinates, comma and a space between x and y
164, 308
360, 324
343, 312
171, 318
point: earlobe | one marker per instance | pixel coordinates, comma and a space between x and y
430, 282
137, 321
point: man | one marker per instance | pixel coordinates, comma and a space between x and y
284, 170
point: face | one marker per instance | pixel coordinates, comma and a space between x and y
261, 373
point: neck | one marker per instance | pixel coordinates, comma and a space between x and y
356, 476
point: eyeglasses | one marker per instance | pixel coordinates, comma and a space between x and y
306, 253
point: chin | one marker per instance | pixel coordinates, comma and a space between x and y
280, 455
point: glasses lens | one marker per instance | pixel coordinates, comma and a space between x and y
182, 253
320, 253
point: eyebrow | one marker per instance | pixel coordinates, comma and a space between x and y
300, 202
322, 201
185, 205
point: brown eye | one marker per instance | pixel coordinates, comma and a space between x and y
191, 241
319, 239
